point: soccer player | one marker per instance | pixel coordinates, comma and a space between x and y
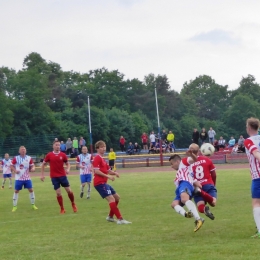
253, 154
21, 165
56, 159
102, 173
111, 158
204, 172
7, 173
84, 162
184, 188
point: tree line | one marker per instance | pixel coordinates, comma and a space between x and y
42, 99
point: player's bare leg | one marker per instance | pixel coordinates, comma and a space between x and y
3, 183
82, 189
32, 198
60, 200
180, 210
71, 197
10, 183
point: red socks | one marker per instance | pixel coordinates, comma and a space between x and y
206, 197
60, 201
111, 213
201, 208
114, 209
71, 196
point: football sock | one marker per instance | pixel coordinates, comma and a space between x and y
206, 196
71, 196
89, 189
82, 188
201, 208
60, 201
10, 182
111, 213
3, 183
180, 210
115, 210
32, 197
256, 213
15, 199
192, 208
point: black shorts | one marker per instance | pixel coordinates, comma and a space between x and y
144, 143
111, 163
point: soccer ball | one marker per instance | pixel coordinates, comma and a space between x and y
207, 149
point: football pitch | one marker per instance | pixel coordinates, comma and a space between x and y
156, 232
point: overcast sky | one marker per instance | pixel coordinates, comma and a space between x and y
179, 38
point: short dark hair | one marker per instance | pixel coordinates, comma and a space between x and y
175, 157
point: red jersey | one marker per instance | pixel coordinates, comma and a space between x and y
252, 144
56, 161
202, 169
122, 141
144, 138
99, 163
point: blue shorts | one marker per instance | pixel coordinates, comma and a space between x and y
210, 189
20, 184
153, 143
60, 181
105, 190
8, 175
255, 189
184, 186
85, 178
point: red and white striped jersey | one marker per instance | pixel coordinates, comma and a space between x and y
85, 161
22, 164
6, 166
251, 144
184, 173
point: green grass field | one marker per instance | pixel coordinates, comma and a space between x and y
157, 231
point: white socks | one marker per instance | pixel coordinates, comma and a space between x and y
192, 208
32, 197
180, 210
89, 189
15, 199
82, 188
256, 213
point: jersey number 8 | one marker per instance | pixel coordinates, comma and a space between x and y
199, 174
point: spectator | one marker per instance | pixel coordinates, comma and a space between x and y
195, 136
144, 139
75, 146
69, 146
56, 139
171, 147
62, 147
170, 137
152, 139
122, 143
130, 149
231, 142
152, 149
203, 135
235, 148
136, 148
82, 143
157, 147
211, 134
240, 141
164, 147
164, 136
216, 146
221, 142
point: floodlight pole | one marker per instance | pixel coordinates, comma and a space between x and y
89, 123
159, 130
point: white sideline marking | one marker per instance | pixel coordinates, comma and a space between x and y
21, 220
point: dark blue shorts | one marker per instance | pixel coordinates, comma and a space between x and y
105, 190
210, 189
255, 189
20, 184
8, 175
184, 186
85, 178
60, 181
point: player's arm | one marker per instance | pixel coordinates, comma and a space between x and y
12, 166
1, 166
42, 170
214, 176
31, 166
98, 172
192, 157
113, 173
67, 167
252, 149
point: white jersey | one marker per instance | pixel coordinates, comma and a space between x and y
6, 166
86, 162
152, 138
251, 144
22, 165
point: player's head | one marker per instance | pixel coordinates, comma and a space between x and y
100, 146
56, 146
175, 161
111, 150
252, 125
6, 156
84, 149
22, 150
194, 148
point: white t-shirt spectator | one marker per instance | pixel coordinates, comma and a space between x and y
152, 138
